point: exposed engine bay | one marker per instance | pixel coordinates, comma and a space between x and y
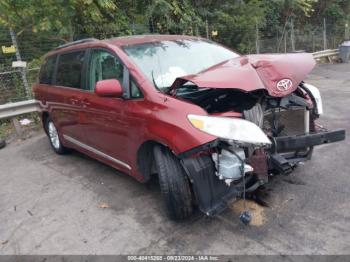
223, 170
219, 100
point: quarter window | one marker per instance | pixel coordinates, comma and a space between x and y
135, 92
46, 71
104, 65
69, 69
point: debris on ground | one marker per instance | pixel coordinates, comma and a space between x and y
25, 122
4, 242
104, 205
257, 212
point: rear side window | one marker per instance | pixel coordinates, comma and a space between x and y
46, 71
69, 70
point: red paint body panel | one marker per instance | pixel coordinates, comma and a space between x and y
227, 114
254, 72
119, 127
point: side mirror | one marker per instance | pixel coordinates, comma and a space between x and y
109, 88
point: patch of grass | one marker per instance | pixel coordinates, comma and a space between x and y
7, 130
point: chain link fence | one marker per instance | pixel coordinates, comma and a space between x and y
302, 42
307, 42
12, 88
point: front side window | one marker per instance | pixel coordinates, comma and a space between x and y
162, 62
69, 70
46, 71
103, 65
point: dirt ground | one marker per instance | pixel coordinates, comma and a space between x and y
72, 204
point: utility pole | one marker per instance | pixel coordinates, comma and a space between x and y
18, 57
257, 37
278, 46
292, 35
324, 34
207, 27
285, 41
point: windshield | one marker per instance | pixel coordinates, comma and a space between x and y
163, 62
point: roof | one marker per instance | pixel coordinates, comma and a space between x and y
81, 41
142, 39
119, 41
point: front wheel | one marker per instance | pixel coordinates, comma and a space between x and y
174, 184
54, 138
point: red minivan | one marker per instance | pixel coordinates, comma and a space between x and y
212, 124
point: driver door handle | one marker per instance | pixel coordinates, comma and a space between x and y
85, 103
74, 101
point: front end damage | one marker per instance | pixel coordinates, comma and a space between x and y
234, 164
221, 171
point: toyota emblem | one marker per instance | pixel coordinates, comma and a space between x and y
284, 84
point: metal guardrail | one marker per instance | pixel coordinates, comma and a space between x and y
10, 110
326, 53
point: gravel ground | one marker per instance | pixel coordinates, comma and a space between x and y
72, 204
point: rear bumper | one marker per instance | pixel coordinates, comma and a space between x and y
294, 143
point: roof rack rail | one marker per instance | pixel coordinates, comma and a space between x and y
77, 42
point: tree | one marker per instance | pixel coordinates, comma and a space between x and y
64, 18
236, 22
176, 17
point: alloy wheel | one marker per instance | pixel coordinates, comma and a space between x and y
53, 134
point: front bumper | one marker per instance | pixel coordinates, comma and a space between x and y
287, 151
213, 194
294, 143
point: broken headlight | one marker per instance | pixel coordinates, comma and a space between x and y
237, 130
317, 96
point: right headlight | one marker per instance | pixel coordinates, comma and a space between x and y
235, 129
317, 96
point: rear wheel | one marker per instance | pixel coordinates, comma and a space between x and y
174, 184
54, 138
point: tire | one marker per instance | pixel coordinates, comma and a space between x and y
54, 137
174, 184
2, 143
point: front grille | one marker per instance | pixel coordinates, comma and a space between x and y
281, 122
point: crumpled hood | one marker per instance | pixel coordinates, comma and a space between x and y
255, 72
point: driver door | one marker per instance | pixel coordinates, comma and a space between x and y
103, 118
